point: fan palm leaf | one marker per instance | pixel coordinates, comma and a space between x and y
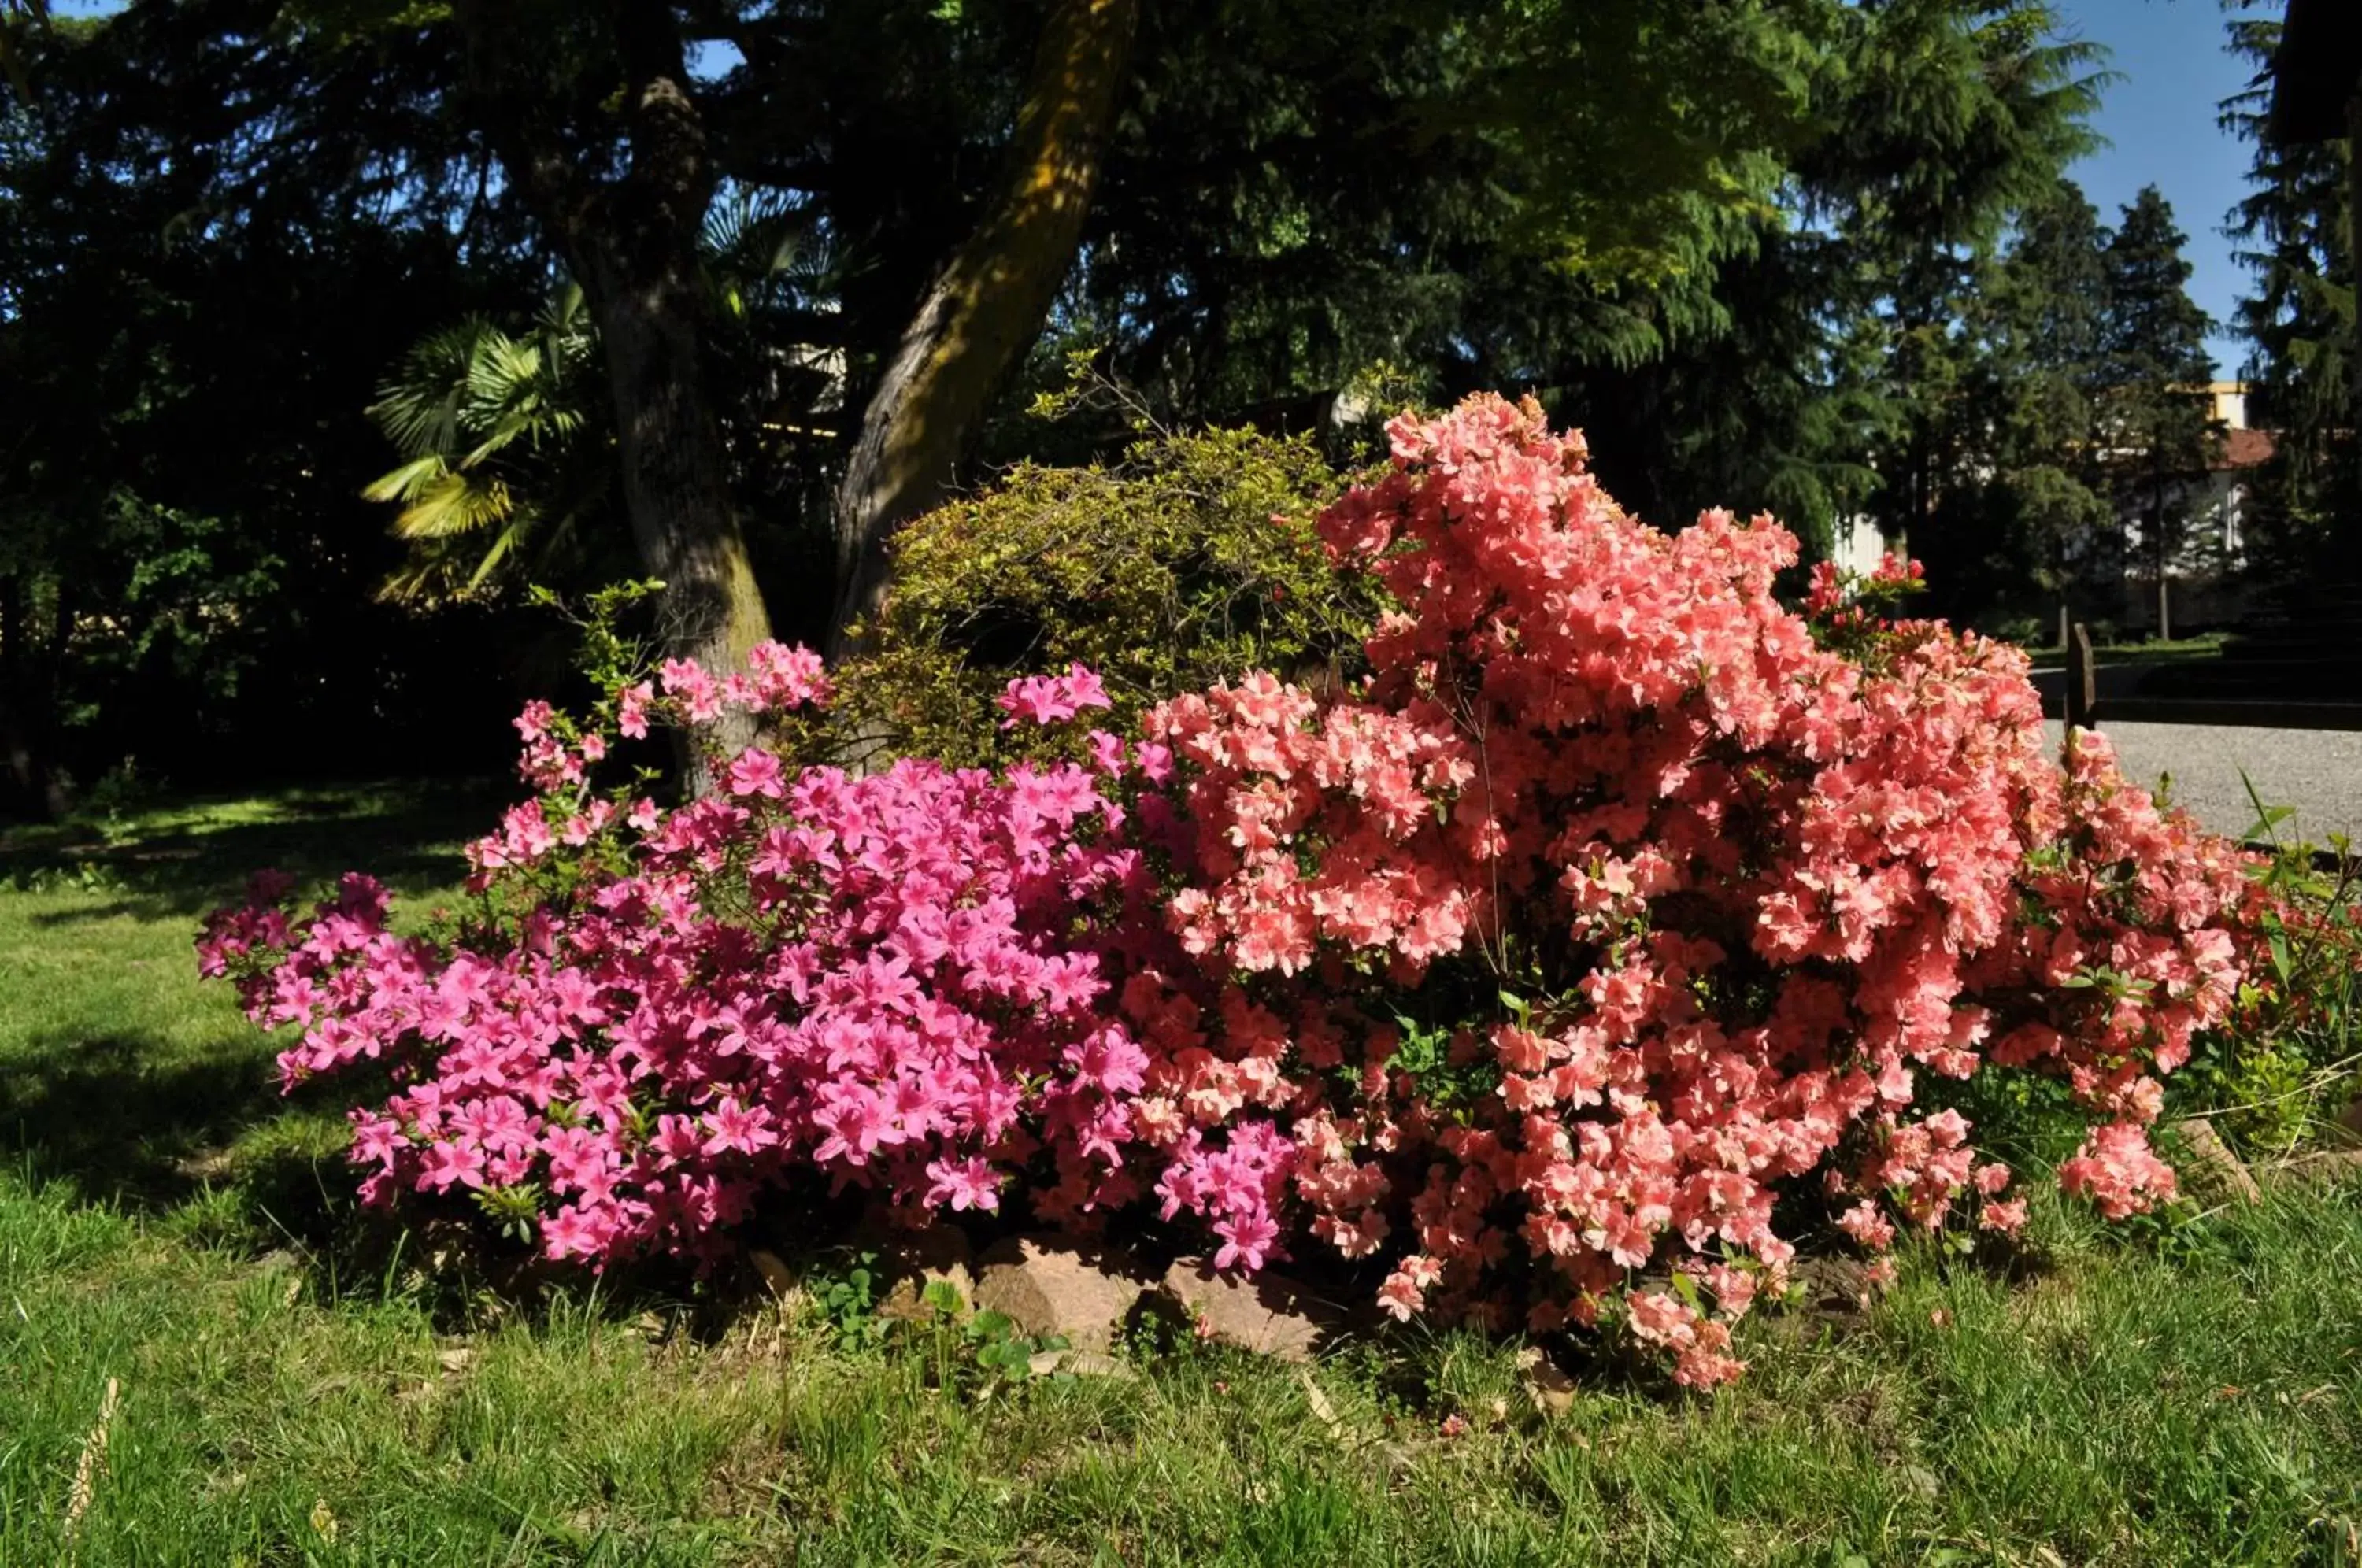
422, 407
506, 453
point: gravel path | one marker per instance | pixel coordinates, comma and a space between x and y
2317, 771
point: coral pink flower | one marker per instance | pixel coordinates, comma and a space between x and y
1618, 902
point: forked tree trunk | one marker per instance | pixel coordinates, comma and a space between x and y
985, 305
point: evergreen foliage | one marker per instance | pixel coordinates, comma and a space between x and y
2295, 229
1191, 559
2155, 420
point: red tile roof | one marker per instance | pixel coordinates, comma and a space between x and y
2245, 449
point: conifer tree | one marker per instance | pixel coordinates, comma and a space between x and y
2294, 228
2154, 415
2034, 319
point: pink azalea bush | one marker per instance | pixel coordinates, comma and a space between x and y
1619, 901
866, 978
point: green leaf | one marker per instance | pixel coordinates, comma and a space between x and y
2268, 818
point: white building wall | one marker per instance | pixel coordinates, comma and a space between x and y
1858, 546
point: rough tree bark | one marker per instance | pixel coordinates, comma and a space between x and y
985, 304
631, 241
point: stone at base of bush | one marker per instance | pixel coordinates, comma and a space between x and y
1052, 1285
1264, 1313
1551, 1389
2211, 1166
911, 1261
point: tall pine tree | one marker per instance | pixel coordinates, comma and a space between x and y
2295, 231
2154, 414
2039, 501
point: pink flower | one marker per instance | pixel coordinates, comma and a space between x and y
757, 772
788, 676
1400, 1296
735, 1128
689, 683
1048, 698
452, 1163
1245, 1240
632, 708
966, 1184
2118, 1170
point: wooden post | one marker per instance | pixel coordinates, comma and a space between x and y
2082, 686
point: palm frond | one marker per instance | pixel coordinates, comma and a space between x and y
760, 246
460, 501
406, 481
499, 549
421, 407
496, 430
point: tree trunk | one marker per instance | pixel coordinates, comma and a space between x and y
28, 775
630, 240
676, 484
985, 305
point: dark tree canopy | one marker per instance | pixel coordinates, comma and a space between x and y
2295, 233
812, 264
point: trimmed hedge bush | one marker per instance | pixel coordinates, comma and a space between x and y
1192, 560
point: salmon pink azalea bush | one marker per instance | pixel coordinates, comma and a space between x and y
1618, 903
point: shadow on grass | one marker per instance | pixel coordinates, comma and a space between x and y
212, 1151
185, 861
111, 1117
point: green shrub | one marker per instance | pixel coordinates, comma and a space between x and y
2284, 1066
1191, 559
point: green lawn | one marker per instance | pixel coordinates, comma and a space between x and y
2181, 650
170, 1227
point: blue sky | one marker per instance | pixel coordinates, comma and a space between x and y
2160, 118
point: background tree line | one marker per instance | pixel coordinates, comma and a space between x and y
325, 325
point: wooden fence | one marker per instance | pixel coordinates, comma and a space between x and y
2086, 708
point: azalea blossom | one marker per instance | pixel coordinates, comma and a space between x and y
1619, 901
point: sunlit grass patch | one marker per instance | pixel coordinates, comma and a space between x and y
2162, 1394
